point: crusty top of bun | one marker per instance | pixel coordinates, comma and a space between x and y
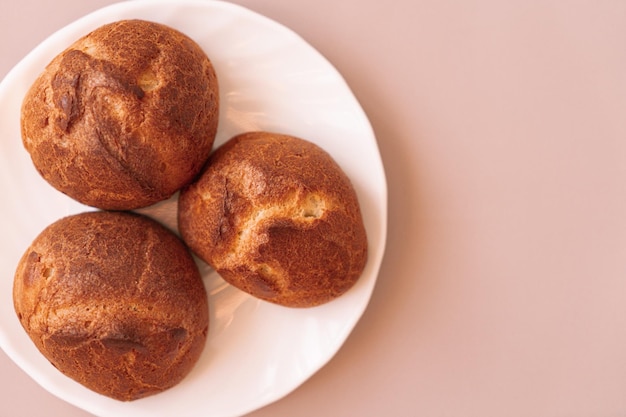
277, 218
124, 117
113, 300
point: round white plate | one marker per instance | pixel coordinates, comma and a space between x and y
270, 79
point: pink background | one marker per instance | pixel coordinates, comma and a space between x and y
502, 127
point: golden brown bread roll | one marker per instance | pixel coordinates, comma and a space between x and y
278, 218
124, 117
113, 300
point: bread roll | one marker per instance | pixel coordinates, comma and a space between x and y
113, 300
278, 218
124, 117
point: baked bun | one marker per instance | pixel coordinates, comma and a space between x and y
115, 301
276, 217
124, 117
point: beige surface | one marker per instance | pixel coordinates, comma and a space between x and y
502, 126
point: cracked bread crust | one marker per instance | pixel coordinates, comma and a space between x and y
276, 217
124, 117
114, 301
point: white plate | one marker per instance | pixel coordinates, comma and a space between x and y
270, 79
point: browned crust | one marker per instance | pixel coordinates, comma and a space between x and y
277, 218
124, 117
115, 301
